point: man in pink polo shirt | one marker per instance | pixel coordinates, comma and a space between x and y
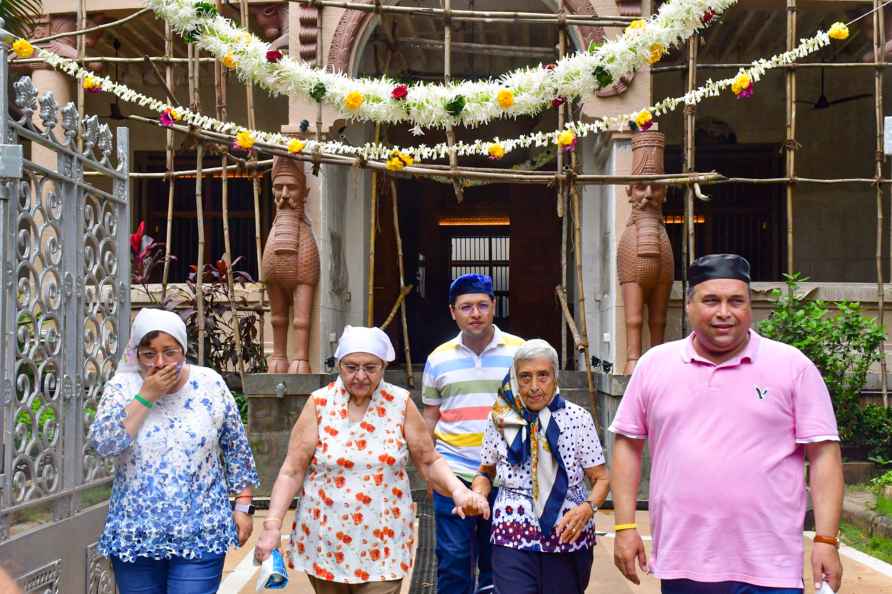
730, 417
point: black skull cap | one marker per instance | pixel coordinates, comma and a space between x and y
715, 266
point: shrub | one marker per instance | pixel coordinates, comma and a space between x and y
843, 347
219, 338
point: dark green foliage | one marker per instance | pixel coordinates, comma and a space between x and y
219, 340
843, 346
20, 16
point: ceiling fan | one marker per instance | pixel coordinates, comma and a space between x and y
823, 103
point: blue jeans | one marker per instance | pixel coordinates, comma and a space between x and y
173, 576
463, 549
692, 587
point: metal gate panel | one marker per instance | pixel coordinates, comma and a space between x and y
64, 322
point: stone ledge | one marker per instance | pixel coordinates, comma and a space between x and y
873, 523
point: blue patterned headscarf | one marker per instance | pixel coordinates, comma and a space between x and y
533, 436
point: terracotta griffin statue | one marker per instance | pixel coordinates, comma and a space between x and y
645, 261
290, 267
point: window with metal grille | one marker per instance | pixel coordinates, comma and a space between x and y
483, 254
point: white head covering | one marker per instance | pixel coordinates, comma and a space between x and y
149, 320
359, 339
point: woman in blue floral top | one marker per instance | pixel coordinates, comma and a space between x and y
540, 449
180, 449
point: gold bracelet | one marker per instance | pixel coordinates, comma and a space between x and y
630, 526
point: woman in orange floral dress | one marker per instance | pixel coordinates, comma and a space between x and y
353, 533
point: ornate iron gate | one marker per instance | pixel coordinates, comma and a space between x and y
64, 320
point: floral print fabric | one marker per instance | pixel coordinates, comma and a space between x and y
169, 496
514, 523
355, 522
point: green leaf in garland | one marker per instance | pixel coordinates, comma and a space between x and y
205, 9
593, 46
318, 91
192, 35
456, 105
603, 77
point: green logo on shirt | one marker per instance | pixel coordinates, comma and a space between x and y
761, 392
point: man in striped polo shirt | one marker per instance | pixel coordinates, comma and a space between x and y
461, 379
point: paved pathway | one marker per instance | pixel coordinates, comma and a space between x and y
862, 574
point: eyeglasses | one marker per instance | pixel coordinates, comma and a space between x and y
149, 357
467, 308
352, 369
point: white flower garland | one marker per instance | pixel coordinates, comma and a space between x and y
380, 152
531, 89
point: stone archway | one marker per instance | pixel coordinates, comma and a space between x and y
353, 23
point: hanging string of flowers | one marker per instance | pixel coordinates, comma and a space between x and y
397, 158
525, 91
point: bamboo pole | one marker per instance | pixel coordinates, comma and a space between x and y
373, 227
879, 53
790, 138
457, 186
562, 120
255, 182
690, 117
410, 379
81, 53
170, 158
396, 306
580, 296
195, 98
432, 170
220, 96
793, 66
486, 16
568, 317
688, 244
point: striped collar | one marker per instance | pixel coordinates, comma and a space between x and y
498, 340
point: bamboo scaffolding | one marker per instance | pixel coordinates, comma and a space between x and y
255, 182
195, 99
410, 379
790, 136
879, 51
485, 16
170, 160
220, 96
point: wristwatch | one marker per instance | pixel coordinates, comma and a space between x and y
245, 508
592, 505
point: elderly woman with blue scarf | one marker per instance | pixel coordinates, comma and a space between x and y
540, 449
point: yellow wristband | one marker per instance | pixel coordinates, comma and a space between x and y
619, 527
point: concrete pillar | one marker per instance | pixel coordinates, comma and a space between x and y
605, 210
